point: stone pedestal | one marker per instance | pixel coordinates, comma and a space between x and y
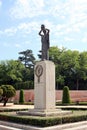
44, 82
44, 91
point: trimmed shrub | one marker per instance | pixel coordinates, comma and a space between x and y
66, 96
42, 121
21, 97
8, 91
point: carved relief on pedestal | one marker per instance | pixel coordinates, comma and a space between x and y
39, 72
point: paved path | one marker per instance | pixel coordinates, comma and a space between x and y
32, 106
71, 126
3, 127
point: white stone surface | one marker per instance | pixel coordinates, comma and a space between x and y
69, 126
45, 89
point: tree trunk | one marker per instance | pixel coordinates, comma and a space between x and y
5, 101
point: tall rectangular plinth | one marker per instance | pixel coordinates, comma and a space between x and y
44, 86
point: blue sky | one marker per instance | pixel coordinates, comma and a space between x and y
20, 22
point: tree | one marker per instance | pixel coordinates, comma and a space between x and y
65, 61
11, 72
66, 95
55, 55
21, 96
70, 61
80, 71
8, 91
27, 58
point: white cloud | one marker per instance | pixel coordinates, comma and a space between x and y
17, 45
10, 31
28, 27
71, 15
68, 39
1, 32
84, 38
27, 8
24, 28
0, 3
74, 13
61, 17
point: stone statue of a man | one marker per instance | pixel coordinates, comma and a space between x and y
44, 33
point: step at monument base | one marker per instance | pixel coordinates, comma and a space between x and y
44, 113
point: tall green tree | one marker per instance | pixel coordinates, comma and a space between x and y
81, 71
55, 55
65, 61
10, 71
27, 58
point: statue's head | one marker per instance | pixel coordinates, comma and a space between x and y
42, 26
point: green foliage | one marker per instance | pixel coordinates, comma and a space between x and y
24, 85
42, 122
21, 96
71, 69
1, 92
8, 91
10, 72
27, 58
66, 96
13, 72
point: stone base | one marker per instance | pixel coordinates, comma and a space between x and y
44, 113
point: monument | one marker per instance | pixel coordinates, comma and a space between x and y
44, 82
44, 79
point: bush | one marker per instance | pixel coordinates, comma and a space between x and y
8, 91
66, 96
42, 121
21, 97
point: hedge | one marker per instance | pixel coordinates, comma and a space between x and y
42, 121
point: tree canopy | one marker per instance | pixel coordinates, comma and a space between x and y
71, 68
10, 72
27, 58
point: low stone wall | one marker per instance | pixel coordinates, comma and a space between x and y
74, 94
